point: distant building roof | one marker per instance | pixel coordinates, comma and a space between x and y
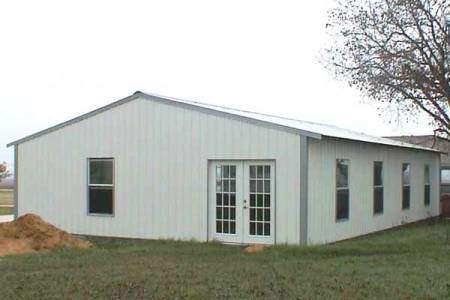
7, 183
429, 141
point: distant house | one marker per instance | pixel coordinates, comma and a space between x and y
438, 143
155, 167
7, 191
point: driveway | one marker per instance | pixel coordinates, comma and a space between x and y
6, 218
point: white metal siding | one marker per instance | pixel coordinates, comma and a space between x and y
161, 153
323, 228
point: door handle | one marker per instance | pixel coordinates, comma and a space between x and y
245, 204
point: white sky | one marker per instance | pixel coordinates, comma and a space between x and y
60, 59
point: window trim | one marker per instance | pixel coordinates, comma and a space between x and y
406, 185
427, 182
338, 220
113, 186
378, 186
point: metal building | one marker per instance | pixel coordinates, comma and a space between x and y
154, 167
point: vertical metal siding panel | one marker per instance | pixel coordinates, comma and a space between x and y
322, 199
161, 153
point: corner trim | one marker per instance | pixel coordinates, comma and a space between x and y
304, 161
16, 181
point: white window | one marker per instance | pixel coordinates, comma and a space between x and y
406, 188
342, 189
427, 192
101, 186
378, 189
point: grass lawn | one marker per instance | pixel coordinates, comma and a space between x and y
410, 262
6, 210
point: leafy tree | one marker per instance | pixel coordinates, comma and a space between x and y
396, 53
4, 173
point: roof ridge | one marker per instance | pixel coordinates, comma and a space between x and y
256, 113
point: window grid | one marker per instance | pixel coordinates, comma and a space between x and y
226, 199
260, 200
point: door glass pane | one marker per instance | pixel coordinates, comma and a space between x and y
232, 171
252, 172
226, 185
226, 172
259, 214
260, 171
267, 172
233, 185
259, 228
226, 227
259, 202
219, 226
267, 229
252, 228
232, 227
259, 186
219, 172
218, 185
252, 186
226, 199
232, 199
266, 186
218, 199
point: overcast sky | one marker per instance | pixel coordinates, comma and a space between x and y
60, 59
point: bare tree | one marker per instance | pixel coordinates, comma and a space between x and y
395, 52
4, 173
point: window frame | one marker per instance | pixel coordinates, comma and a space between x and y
427, 183
337, 189
375, 187
100, 185
406, 185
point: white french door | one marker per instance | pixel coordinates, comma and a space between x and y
242, 201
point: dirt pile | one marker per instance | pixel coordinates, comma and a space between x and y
254, 248
30, 233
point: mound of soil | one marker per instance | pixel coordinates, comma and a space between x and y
29, 233
254, 248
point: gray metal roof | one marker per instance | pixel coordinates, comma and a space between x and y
311, 129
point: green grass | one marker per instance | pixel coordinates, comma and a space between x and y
6, 210
404, 263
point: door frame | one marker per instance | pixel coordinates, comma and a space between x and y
209, 210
